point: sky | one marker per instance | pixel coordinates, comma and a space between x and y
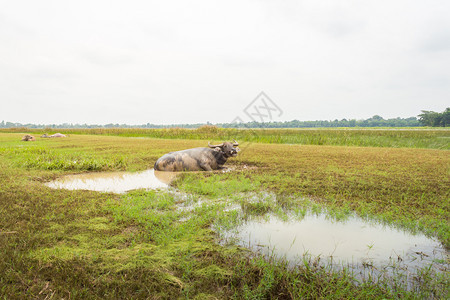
174, 62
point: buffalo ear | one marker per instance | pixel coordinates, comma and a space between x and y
217, 149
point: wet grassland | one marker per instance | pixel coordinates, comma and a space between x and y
164, 244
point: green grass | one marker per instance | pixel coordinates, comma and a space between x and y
81, 244
46, 159
367, 137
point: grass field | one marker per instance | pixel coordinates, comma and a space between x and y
435, 138
83, 244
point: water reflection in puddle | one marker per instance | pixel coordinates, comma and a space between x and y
114, 182
353, 243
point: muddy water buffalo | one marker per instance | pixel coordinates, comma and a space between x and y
198, 159
57, 135
28, 138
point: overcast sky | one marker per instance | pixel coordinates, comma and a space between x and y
167, 62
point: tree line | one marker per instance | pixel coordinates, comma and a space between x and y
375, 121
426, 118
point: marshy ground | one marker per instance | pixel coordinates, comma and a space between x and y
161, 245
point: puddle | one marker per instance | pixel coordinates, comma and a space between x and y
117, 182
114, 182
352, 243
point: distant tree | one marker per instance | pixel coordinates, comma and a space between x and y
434, 119
445, 121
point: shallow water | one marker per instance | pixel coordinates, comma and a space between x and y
114, 182
352, 243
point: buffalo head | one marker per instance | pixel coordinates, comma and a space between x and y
228, 149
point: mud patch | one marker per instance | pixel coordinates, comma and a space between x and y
231, 167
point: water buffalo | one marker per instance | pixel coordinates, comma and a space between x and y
197, 159
56, 135
28, 138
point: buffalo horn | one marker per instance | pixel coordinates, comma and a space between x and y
214, 146
235, 143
